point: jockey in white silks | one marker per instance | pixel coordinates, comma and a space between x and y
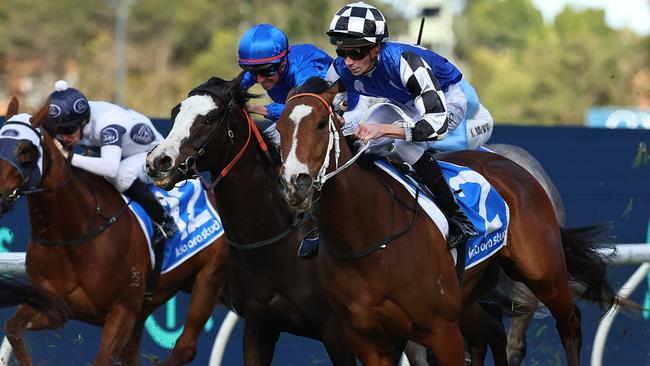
123, 138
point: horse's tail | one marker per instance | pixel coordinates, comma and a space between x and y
587, 266
14, 292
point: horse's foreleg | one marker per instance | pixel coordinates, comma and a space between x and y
205, 295
372, 350
26, 318
131, 354
259, 344
516, 348
335, 344
446, 342
118, 329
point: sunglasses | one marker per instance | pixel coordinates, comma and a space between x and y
67, 130
354, 53
265, 71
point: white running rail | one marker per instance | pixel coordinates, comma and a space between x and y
14, 264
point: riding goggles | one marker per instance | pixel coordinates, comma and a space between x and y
356, 54
264, 71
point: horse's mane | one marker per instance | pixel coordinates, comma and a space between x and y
314, 85
225, 90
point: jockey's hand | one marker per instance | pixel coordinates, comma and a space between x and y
66, 154
340, 120
257, 109
366, 132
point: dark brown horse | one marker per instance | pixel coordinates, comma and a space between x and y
88, 259
387, 271
270, 287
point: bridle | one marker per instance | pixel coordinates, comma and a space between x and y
333, 144
190, 161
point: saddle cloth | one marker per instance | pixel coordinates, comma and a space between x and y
482, 204
198, 222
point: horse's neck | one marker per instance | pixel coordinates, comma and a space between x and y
66, 205
351, 204
249, 202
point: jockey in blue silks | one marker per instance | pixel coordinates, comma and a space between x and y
265, 54
428, 91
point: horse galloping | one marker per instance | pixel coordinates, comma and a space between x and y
87, 257
378, 242
271, 288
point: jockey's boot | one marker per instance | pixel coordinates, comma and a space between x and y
164, 225
460, 228
309, 245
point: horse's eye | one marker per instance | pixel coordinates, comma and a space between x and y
323, 124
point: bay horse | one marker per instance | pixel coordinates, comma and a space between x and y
88, 259
379, 244
271, 288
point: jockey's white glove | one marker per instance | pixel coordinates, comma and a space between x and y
66, 154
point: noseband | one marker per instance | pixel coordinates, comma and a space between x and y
190, 162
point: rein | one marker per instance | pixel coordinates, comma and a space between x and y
334, 144
252, 130
298, 220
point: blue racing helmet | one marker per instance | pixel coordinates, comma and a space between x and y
262, 44
69, 109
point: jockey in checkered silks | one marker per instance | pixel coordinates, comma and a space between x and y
264, 53
123, 138
428, 101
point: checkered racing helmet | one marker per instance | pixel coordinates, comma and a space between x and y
358, 24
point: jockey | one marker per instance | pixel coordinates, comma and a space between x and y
265, 55
420, 82
123, 137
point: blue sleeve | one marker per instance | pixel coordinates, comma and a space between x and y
274, 111
247, 81
353, 98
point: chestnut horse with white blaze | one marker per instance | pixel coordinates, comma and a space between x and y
386, 269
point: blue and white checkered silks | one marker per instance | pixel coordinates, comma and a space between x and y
482, 204
198, 222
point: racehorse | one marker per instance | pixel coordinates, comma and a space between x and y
379, 243
87, 257
216, 131
269, 286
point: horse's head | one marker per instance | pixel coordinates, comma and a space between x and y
21, 154
309, 132
203, 126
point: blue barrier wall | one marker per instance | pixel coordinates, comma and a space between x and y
593, 169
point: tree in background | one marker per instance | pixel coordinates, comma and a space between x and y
525, 71
529, 72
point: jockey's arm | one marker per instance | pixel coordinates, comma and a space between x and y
429, 100
106, 165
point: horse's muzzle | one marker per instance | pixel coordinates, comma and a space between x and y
297, 191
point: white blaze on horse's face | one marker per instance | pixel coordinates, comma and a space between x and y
191, 108
293, 166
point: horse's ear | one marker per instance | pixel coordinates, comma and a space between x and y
334, 89
41, 115
292, 92
12, 108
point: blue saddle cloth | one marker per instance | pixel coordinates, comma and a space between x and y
198, 222
482, 204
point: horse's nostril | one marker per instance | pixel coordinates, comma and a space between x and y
164, 163
303, 182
